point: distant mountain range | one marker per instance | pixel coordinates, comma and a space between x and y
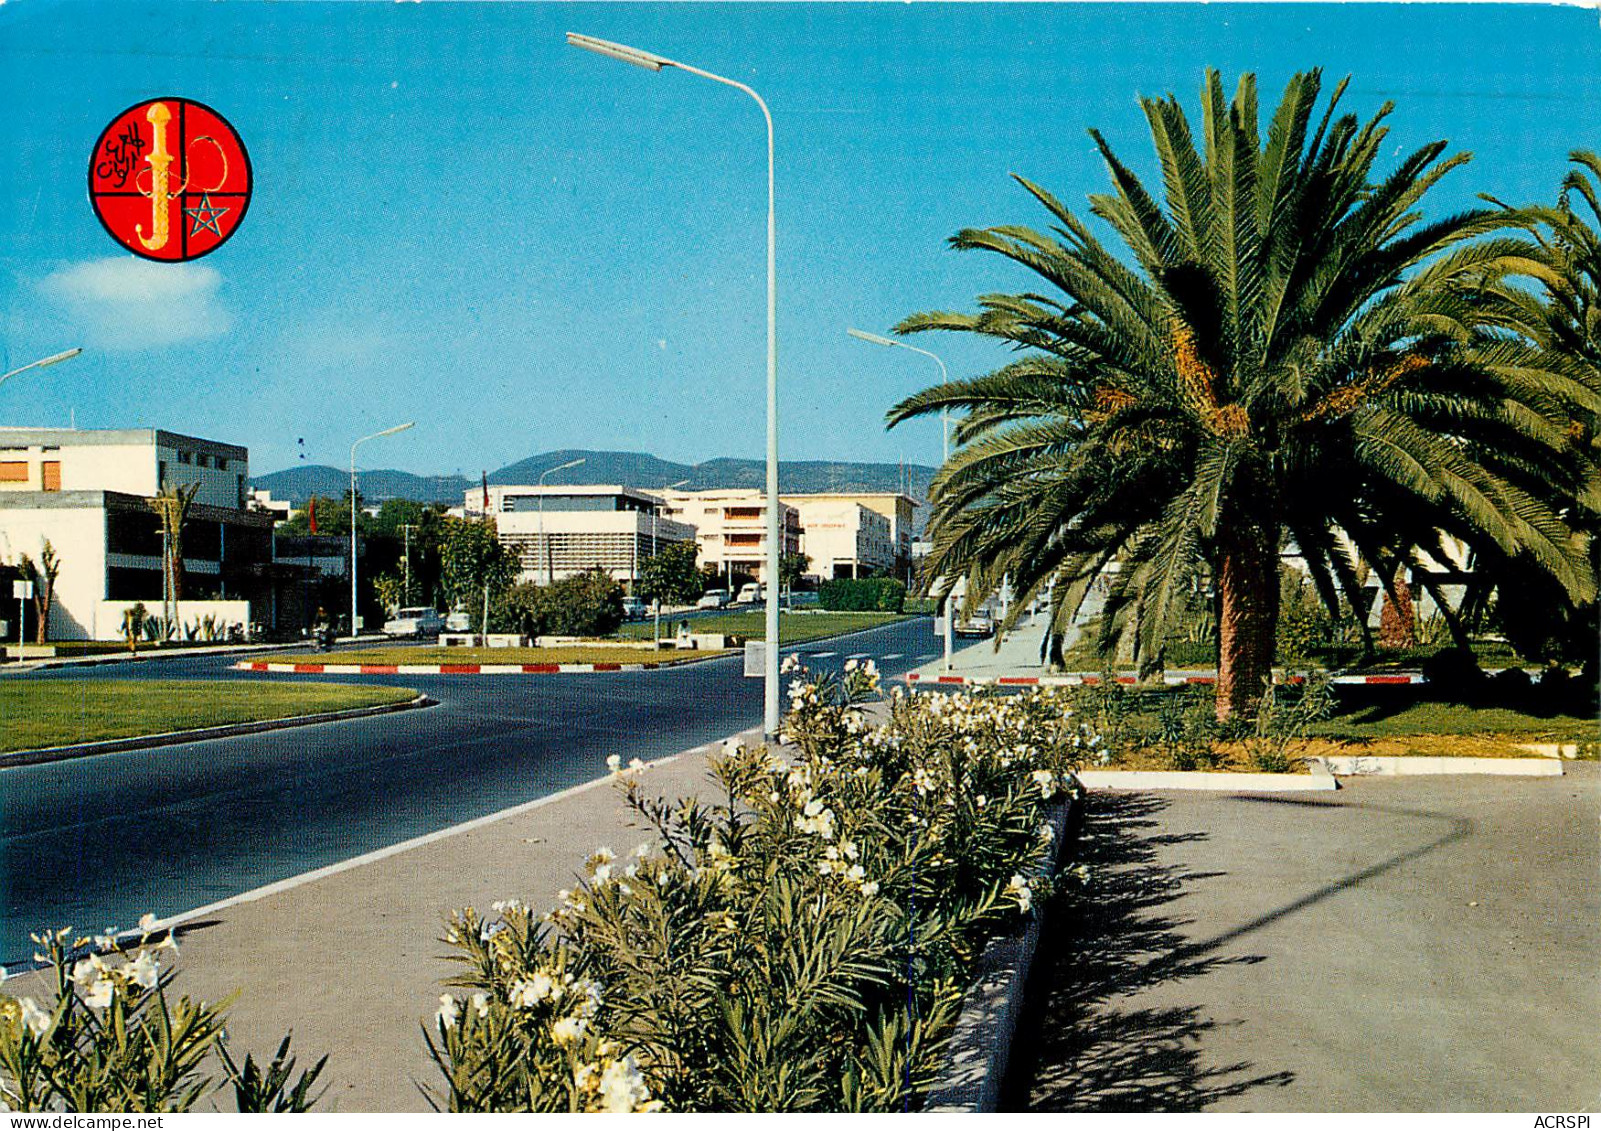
633, 469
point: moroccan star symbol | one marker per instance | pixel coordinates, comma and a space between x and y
206, 217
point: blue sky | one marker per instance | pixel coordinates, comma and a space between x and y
460, 220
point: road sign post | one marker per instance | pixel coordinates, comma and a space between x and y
21, 590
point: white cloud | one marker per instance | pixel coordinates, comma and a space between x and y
124, 304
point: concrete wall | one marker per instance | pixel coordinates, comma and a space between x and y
108, 615
78, 535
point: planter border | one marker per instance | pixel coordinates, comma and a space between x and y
227, 730
1409, 765
980, 1046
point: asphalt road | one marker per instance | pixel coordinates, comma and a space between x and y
94, 842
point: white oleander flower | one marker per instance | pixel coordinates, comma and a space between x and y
1017, 887
481, 1004
100, 993
614, 763
448, 1011
145, 970
569, 1030
622, 1086
36, 1019
147, 922
870, 888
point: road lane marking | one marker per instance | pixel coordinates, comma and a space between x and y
894, 655
821, 655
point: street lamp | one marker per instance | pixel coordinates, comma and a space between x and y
945, 445
543, 541
653, 62
353, 447
53, 359
944, 378
655, 548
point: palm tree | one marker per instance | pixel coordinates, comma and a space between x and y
1282, 351
1561, 314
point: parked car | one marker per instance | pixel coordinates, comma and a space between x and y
713, 599
418, 623
750, 594
634, 608
459, 622
980, 622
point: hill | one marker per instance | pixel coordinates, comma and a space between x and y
635, 469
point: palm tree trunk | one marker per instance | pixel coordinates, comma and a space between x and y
1248, 616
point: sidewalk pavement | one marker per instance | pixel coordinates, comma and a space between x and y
350, 957
1406, 944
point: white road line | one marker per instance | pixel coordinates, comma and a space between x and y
821, 655
894, 655
928, 656
859, 656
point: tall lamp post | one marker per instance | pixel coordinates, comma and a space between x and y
655, 548
652, 62
544, 542
353, 447
945, 448
53, 359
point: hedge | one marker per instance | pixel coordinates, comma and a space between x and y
863, 595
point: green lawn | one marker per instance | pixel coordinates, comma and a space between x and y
792, 627
597, 653
37, 713
1401, 711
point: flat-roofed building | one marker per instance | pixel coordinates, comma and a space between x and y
558, 530
88, 493
894, 506
844, 539
731, 527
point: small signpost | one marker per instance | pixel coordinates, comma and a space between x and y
755, 657
21, 590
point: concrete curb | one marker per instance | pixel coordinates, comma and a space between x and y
1093, 679
155, 655
1402, 765
980, 1045
466, 669
173, 738
1320, 778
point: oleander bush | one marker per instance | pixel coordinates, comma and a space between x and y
801, 943
112, 1038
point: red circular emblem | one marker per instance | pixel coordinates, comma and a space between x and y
170, 179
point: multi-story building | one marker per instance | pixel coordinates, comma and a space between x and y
558, 531
896, 509
731, 527
89, 493
844, 538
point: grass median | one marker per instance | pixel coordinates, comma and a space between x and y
395, 655
793, 628
39, 713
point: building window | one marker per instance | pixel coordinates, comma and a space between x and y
222, 463
50, 475
205, 460
185, 457
14, 471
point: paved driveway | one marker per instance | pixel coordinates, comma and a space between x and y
1406, 944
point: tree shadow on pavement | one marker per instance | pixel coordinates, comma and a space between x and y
1076, 1049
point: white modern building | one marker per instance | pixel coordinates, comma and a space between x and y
89, 494
731, 527
843, 538
559, 531
896, 510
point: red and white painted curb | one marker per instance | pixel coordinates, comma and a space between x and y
1083, 679
455, 669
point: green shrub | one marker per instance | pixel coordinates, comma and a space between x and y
800, 944
586, 604
113, 1039
862, 595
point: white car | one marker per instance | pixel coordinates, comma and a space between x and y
713, 599
417, 623
750, 594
